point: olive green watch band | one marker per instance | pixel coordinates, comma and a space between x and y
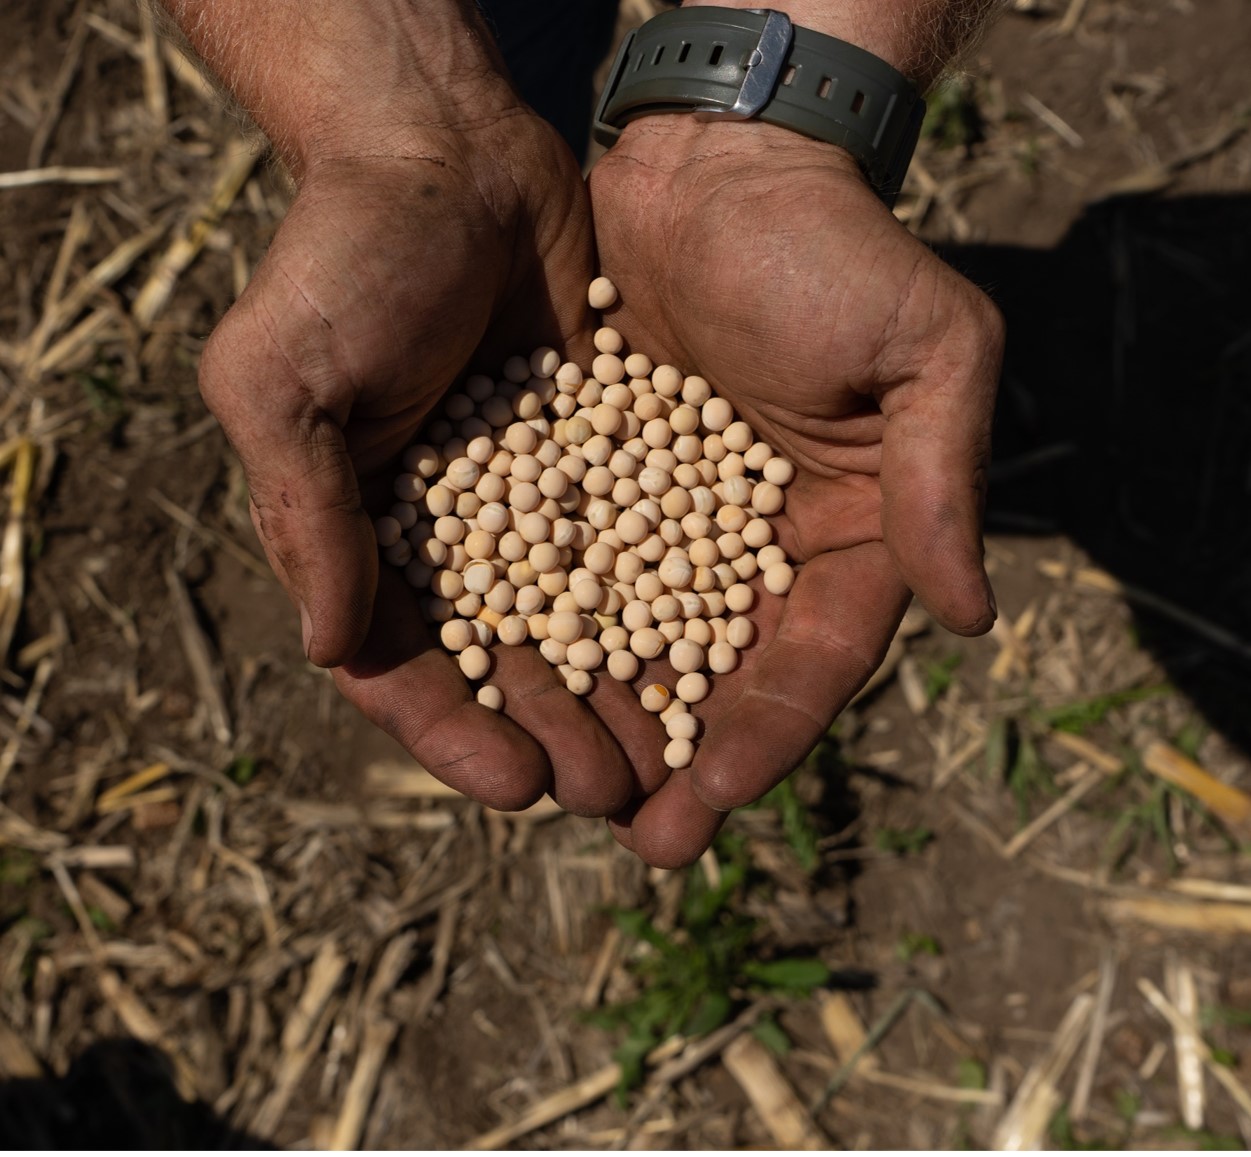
730, 63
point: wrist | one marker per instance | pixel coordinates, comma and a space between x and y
325, 80
919, 38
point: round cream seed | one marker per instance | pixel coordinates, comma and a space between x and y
654, 697
685, 656
722, 658
682, 725
779, 578
767, 498
647, 643
474, 662
623, 665
601, 293
580, 682
565, 627
456, 635
491, 697
679, 753
584, 654
693, 687
739, 633
553, 650
608, 369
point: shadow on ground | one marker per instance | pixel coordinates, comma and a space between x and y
1124, 417
118, 1094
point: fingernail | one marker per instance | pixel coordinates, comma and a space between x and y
306, 628
990, 598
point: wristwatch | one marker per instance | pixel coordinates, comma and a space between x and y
740, 64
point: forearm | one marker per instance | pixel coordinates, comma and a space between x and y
918, 37
358, 78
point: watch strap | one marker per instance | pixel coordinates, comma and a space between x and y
753, 63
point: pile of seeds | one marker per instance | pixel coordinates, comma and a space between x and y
612, 519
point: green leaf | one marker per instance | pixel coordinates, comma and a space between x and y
794, 973
101, 919
18, 867
902, 841
771, 1034
913, 944
971, 1074
712, 1011
1077, 717
242, 770
939, 676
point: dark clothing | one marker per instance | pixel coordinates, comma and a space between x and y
552, 48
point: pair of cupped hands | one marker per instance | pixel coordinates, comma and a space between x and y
742, 252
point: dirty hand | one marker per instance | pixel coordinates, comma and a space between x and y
764, 262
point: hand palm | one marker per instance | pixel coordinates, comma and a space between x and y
842, 341
387, 279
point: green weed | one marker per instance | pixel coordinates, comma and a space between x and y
914, 944
693, 980
1076, 718
952, 117
940, 675
902, 841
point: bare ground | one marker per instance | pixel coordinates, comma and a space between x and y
232, 913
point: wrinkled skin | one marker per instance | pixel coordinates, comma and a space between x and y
765, 263
844, 342
389, 275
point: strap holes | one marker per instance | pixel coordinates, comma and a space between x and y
659, 53
684, 52
823, 89
714, 57
789, 75
639, 63
857, 103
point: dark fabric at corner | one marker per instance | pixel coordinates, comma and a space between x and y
552, 48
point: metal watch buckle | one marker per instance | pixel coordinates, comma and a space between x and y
764, 69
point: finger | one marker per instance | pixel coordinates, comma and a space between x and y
406, 684
591, 775
307, 505
835, 626
640, 734
670, 829
935, 453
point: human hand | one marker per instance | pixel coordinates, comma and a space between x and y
764, 262
390, 274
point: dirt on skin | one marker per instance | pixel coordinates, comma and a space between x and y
258, 922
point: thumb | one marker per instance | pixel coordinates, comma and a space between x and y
306, 502
935, 454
